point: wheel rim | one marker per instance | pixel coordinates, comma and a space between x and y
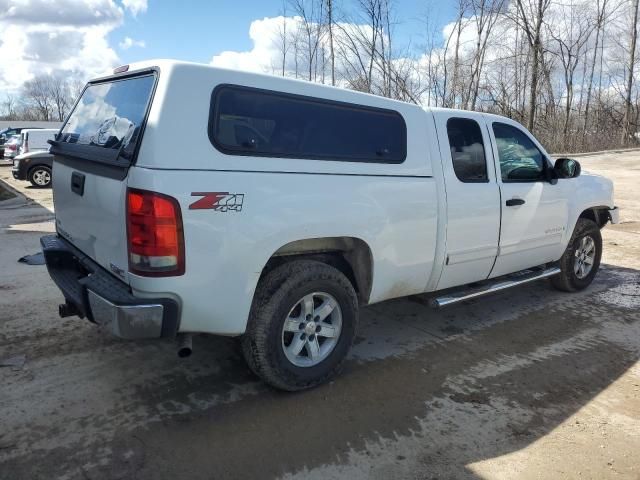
41, 177
312, 329
585, 256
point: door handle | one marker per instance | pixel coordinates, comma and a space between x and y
77, 183
514, 202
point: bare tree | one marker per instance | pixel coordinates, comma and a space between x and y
571, 37
530, 16
627, 123
485, 14
431, 34
37, 92
59, 91
312, 14
76, 86
48, 96
444, 91
360, 45
282, 40
601, 15
458, 27
295, 41
9, 107
332, 55
369, 42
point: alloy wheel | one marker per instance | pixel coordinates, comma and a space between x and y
312, 329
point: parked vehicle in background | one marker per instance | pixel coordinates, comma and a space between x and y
292, 205
12, 146
34, 140
7, 133
35, 167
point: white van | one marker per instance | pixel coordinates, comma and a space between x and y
294, 204
36, 139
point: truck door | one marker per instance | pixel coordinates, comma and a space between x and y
534, 211
472, 198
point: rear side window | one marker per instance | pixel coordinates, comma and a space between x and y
110, 114
255, 122
467, 150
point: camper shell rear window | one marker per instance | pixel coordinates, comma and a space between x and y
264, 123
107, 122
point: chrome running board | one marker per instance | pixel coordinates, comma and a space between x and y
496, 285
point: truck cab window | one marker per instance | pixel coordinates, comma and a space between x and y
467, 150
520, 159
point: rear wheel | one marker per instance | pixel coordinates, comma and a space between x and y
302, 325
40, 176
581, 260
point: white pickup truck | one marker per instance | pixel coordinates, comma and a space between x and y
289, 204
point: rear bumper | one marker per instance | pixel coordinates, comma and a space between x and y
94, 293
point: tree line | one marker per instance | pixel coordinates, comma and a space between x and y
566, 69
47, 97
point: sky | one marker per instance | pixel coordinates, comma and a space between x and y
93, 36
202, 29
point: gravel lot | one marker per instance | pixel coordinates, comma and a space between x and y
528, 383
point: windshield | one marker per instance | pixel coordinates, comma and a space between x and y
111, 114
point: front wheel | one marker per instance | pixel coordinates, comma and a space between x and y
581, 260
40, 176
301, 326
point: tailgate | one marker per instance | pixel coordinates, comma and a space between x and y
92, 155
94, 221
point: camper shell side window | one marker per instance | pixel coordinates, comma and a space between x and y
264, 123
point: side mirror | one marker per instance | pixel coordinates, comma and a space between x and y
567, 168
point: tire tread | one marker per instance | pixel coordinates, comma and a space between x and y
271, 291
565, 280
34, 169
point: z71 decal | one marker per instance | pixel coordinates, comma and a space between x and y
218, 201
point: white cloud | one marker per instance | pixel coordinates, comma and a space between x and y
265, 52
273, 35
135, 6
129, 42
65, 12
44, 36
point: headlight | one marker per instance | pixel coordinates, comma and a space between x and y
16, 163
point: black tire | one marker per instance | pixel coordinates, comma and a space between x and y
37, 175
568, 280
277, 293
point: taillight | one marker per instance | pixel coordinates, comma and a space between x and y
154, 232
